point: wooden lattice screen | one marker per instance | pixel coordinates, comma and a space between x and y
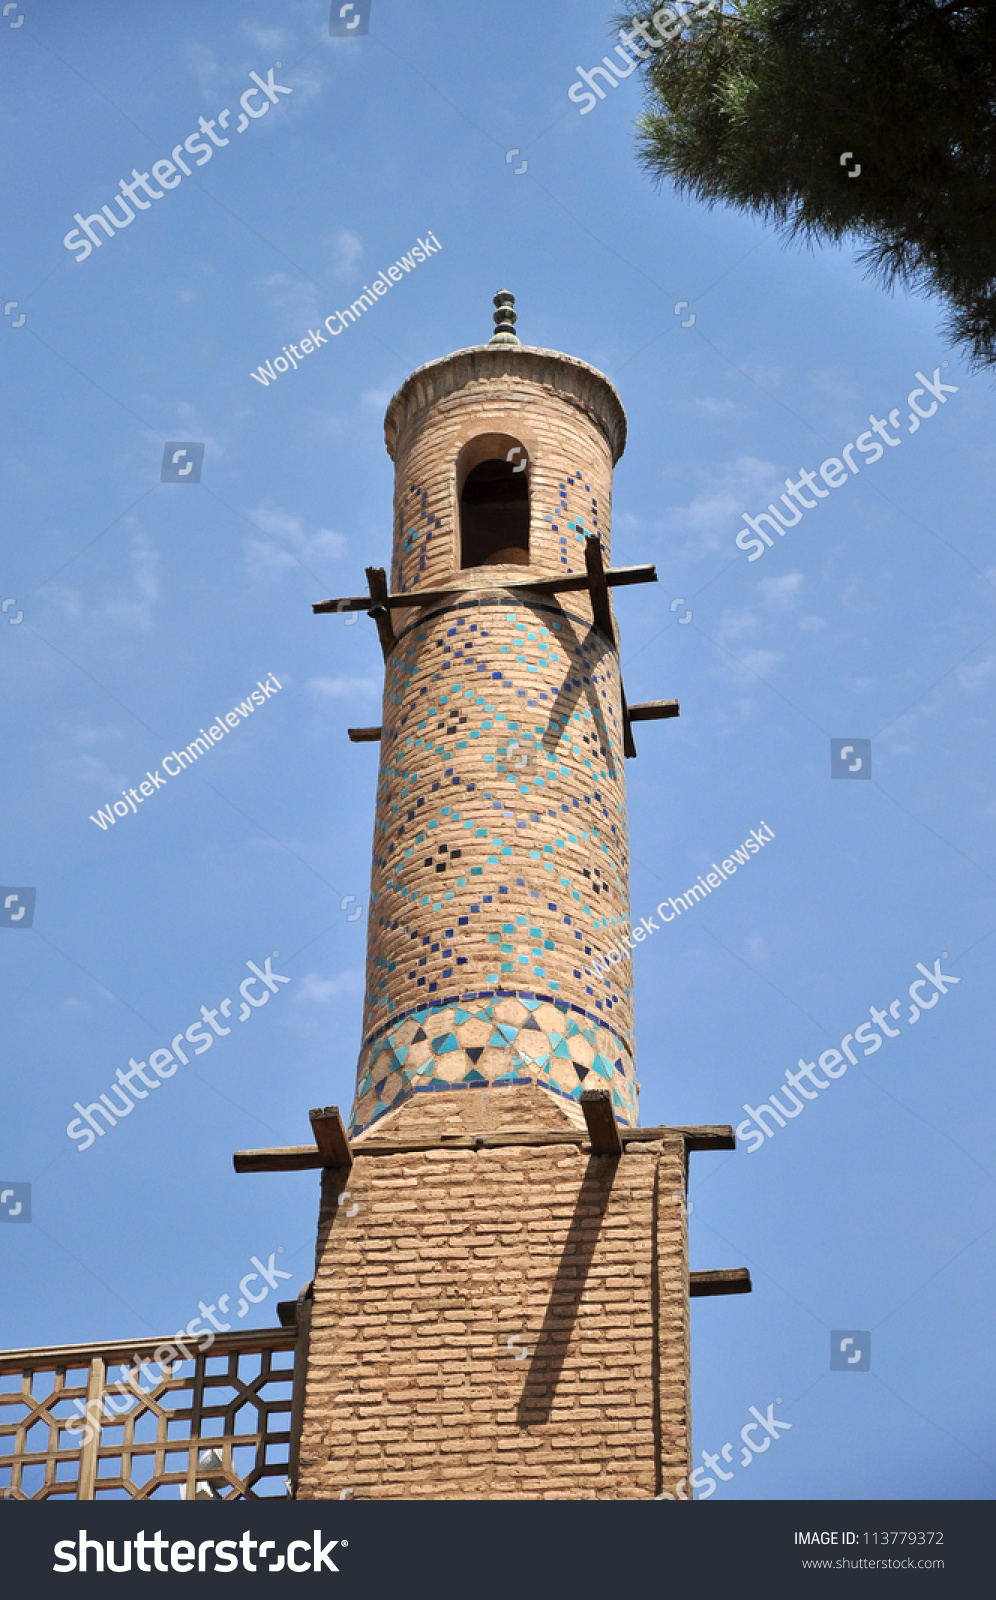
152, 1438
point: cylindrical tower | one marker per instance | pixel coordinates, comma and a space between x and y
500, 863
501, 1292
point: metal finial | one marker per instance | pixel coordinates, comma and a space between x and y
505, 319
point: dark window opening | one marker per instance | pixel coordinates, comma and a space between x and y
494, 516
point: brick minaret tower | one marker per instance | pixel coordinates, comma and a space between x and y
500, 1305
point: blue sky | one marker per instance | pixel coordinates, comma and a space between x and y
150, 609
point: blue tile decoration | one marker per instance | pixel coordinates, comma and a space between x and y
500, 846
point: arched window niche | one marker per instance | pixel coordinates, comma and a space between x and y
494, 501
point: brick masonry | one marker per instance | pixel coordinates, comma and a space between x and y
508, 1323
501, 861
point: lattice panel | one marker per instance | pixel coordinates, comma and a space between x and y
148, 1437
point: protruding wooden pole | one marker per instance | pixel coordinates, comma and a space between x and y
330, 1137
730, 1280
380, 609
603, 1129
598, 588
654, 710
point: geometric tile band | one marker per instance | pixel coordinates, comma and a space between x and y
502, 1041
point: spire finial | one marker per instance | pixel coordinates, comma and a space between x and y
505, 319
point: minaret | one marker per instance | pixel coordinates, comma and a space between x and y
500, 1302
501, 864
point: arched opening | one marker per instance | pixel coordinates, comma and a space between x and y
492, 477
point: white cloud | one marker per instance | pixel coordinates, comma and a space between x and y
315, 990
971, 678
306, 82
270, 40
377, 397
203, 67
344, 688
713, 517
708, 406
94, 774
761, 661
780, 591
736, 625
288, 544
294, 299
345, 249
131, 603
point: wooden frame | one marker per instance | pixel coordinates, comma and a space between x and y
192, 1409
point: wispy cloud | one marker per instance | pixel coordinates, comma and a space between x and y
294, 299
712, 517
344, 688
288, 543
318, 991
270, 40
203, 67
129, 604
345, 250
780, 591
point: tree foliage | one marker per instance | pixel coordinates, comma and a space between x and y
754, 104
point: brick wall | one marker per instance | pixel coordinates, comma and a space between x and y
436, 1258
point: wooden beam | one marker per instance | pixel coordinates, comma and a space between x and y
603, 1130
380, 609
719, 1137
731, 1280
290, 1158
301, 1157
706, 1138
118, 1352
654, 710
598, 588
629, 743
615, 577
330, 1137
364, 735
